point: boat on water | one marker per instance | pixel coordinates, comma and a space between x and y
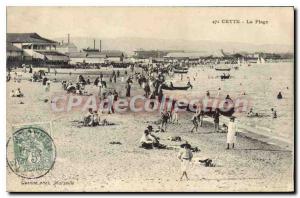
180, 71
166, 87
181, 68
253, 60
222, 68
209, 111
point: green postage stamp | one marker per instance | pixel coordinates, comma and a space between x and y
30, 152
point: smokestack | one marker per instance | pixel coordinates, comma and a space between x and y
100, 45
62, 41
68, 38
94, 44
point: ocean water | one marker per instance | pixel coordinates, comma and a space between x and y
261, 83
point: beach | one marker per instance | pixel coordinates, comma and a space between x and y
86, 161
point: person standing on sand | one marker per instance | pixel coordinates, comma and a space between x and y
99, 85
231, 134
115, 78
128, 87
164, 120
175, 115
216, 117
185, 155
219, 92
195, 122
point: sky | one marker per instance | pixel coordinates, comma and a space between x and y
188, 23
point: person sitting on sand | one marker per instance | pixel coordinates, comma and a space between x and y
195, 122
231, 134
96, 119
147, 140
250, 113
88, 118
185, 155
150, 129
228, 97
12, 93
279, 96
19, 93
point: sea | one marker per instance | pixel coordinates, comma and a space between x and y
259, 84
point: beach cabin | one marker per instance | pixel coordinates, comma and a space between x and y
35, 49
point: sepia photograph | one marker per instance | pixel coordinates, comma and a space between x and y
150, 99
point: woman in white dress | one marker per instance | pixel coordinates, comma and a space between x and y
231, 134
185, 155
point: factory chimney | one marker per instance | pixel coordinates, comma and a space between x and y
68, 38
94, 44
100, 45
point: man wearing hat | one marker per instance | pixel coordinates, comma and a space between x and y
231, 134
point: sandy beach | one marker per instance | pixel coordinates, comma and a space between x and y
86, 160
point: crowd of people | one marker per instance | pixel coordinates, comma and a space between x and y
151, 80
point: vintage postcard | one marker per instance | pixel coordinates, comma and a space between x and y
150, 99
